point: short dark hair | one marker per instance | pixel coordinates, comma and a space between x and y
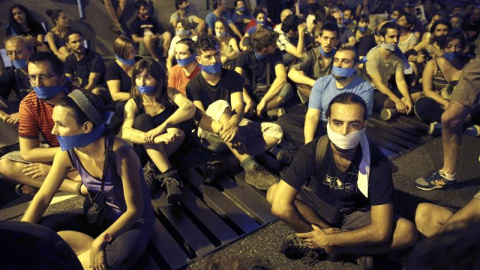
348, 98
443, 22
332, 27
178, 3
80, 116
236, 2
452, 35
207, 43
389, 25
350, 48
189, 42
291, 22
55, 64
71, 32
263, 38
142, 3
258, 11
364, 18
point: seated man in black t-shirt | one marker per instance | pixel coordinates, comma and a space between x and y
148, 33
340, 200
84, 65
266, 87
217, 94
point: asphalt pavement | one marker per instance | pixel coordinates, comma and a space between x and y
265, 243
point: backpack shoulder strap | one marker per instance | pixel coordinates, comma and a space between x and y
322, 144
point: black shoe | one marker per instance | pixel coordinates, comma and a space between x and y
295, 248
171, 182
212, 171
285, 157
9, 148
150, 174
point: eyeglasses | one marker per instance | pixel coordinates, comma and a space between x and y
12, 53
41, 77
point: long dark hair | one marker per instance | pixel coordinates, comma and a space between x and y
153, 69
31, 22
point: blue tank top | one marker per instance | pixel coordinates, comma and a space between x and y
113, 189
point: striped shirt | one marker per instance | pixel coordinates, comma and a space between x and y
35, 118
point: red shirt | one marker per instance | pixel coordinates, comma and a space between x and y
178, 80
35, 118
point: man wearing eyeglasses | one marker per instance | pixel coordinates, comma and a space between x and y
30, 165
14, 79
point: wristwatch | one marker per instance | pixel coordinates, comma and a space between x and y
108, 238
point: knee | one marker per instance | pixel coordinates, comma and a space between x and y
408, 232
148, 39
4, 165
451, 121
270, 193
167, 36
423, 215
143, 122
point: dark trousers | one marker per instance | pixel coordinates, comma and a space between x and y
428, 110
125, 250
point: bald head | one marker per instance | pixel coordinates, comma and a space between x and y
284, 14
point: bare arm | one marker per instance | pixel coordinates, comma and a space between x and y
468, 214
298, 51
200, 24
403, 88
278, 83
128, 132
427, 80
380, 86
60, 168
299, 77
114, 88
128, 166
235, 30
92, 81
378, 232
30, 151
283, 206
136, 38
312, 119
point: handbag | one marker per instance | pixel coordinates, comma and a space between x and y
94, 204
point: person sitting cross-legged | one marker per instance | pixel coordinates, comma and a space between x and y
337, 195
31, 164
115, 237
217, 94
152, 122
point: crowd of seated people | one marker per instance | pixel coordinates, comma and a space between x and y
227, 81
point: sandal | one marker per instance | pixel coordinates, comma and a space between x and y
79, 189
19, 190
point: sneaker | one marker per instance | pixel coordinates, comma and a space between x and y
260, 178
435, 129
387, 114
172, 184
285, 157
294, 248
473, 130
435, 180
212, 171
